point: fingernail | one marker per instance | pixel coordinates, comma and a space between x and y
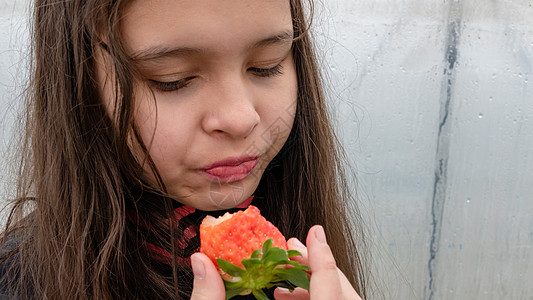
320, 235
283, 290
198, 268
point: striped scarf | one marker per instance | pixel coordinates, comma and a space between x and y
188, 220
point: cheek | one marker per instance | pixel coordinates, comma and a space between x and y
291, 102
293, 92
150, 127
165, 130
147, 120
281, 110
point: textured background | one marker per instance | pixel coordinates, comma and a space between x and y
434, 103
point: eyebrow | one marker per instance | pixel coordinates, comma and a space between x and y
160, 52
275, 39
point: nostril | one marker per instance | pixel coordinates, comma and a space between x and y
251, 130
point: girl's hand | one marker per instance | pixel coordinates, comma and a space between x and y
208, 284
327, 281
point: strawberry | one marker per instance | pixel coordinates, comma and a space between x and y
251, 254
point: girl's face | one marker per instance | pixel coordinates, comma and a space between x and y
218, 95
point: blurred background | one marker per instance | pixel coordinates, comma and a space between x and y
433, 101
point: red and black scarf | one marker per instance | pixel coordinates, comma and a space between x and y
187, 220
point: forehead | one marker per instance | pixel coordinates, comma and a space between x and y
205, 24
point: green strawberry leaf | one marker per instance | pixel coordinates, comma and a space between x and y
232, 293
286, 284
233, 285
274, 254
267, 267
267, 245
256, 253
298, 265
230, 268
249, 263
294, 276
260, 295
292, 253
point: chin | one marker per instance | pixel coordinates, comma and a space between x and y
228, 195
221, 201
215, 200
218, 196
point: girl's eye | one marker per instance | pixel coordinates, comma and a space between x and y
267, 72
172, 85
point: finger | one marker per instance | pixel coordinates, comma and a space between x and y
325, 283
285, 294
347, 290
207, 284
295, 244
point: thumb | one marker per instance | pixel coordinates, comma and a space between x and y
207, 283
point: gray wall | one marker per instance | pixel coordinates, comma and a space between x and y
434, 103
442, 138
13, 50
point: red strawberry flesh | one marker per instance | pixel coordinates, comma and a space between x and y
233, 237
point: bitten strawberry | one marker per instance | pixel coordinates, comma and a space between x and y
233, 237
251, 254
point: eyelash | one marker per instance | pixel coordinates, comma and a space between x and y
267, 72
182, 83
171, 86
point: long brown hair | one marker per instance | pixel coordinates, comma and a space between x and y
79, 180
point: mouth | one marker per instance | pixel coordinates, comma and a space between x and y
231, 169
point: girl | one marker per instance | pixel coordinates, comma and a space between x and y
143, 117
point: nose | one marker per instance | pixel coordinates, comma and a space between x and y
232, 109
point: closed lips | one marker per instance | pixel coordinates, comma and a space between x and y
231, 170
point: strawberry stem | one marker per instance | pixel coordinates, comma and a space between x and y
266, 268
